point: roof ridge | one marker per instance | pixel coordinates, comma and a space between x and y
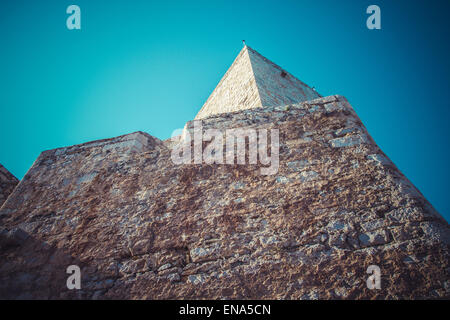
240, 54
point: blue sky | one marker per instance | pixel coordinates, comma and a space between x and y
147, 65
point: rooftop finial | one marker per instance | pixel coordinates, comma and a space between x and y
243, 41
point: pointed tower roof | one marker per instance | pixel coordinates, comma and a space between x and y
253, 81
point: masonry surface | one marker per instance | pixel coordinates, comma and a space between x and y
7, 183
141, 227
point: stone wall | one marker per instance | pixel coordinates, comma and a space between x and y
141, 227
7, 184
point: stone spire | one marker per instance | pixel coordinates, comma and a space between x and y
253, 81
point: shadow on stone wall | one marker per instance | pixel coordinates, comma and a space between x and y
33, 269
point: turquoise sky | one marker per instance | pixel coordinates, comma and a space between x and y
145, 65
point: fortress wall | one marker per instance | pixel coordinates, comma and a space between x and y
59, 174
142, 227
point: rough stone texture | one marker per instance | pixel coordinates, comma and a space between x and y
7, 184
277, 87
142, 227
253, 81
